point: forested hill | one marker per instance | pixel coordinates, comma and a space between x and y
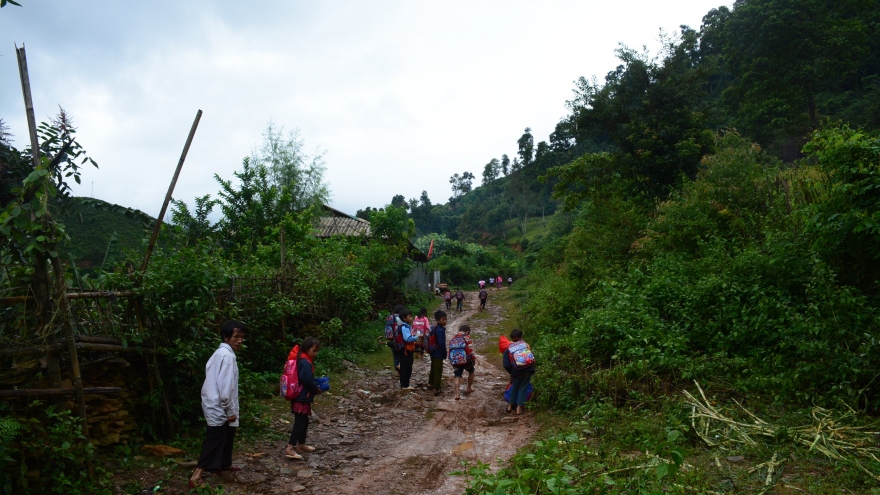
101, 232
773, 70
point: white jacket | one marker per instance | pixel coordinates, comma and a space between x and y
220, 391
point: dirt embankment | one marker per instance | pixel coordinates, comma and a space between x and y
374, 439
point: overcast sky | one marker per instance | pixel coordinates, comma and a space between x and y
400, 95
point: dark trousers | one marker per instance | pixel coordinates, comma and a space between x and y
483, 303
458, 304
217, 448
406, 366
518, 389
395, 355
436, 377
300, 428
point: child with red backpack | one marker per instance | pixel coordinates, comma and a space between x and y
520, 363
447, 298
484, 295
420, 327
459, 299
301, 405
437, 349
462, 358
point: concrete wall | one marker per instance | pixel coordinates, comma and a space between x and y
418, 278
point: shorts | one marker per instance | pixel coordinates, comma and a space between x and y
458, 371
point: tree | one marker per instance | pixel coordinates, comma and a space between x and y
466, 183
289, 166
783, 53
398, 201
490, 171
455, 180
505, 165
526, 147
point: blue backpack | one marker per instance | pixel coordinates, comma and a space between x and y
458, 351
390, 327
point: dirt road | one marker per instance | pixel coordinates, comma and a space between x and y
373, 438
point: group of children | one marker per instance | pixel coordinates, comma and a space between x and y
496, 281
408, 335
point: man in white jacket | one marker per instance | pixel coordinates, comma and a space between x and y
220, 404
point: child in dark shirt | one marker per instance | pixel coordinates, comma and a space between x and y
463, 339
437, 350
520, 376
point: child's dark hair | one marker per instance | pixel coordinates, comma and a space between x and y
398, 308
464, 329
423, 312
229, 327
308, 343
439, 314
516, 333
404, 313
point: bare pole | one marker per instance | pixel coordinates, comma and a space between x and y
192, 133
40, 268
28, 103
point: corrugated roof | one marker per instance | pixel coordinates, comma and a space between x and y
340, 223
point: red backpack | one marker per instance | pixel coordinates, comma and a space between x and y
289, 383
432, 339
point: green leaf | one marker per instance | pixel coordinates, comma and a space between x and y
662, 471
65, 446
673, 435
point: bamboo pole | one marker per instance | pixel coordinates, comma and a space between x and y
28, 103
53, 392
192, 133
71, 295
85, 347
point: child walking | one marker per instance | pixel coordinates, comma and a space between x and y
462, 358
406, 355
459, 299
447, 298
484, 295
301, 406
437, 350
520, 363
420, 327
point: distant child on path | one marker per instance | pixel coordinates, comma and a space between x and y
509, 281
220, 404
447, 297
520, 363
484, 294
462, 357
301, 406
459, 299
406, 356
491, 282
498, 281
437, 350
482, 284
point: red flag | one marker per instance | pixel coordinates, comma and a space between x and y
431, 249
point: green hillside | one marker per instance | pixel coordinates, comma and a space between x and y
100, 232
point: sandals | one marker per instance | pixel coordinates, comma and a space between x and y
192, 485
293, 457
304, 448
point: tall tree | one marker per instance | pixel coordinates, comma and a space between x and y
490, 171
526, 147
284, 157
398, 201
505, 165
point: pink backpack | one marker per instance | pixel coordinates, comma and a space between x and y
289, 384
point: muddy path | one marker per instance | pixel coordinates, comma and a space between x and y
373, 438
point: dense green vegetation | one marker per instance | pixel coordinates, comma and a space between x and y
99, 232
682, 249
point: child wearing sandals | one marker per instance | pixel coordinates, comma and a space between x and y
458, 345
520, 375
301, 406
